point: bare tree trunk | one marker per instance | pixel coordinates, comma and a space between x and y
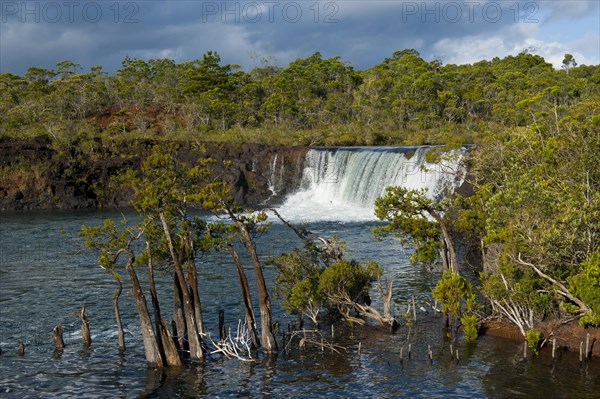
172, 356
151, 349
246, 297
269, 343
449, 246
268, 340
449, 251
179, 327
164, 340
444, 257
188, 305
154, 299
192, 276
386, 297
121, 334
222, 333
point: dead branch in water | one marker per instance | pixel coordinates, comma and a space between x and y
312, 337
238, 347
329, 248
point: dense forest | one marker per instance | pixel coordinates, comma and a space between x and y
312, 101
535, 208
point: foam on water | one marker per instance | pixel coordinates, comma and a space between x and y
341, 184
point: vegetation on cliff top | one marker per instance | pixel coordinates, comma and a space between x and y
312, 101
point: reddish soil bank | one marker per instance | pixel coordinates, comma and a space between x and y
569, 336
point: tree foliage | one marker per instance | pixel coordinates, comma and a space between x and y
166, 189
319, 280
314, 100
297, 282
458, 302
413, 216
538, 200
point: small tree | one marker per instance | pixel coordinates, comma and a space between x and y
411, 215
318, 278
112, 242
297, 281
246, 225
345, 284
458, 302
569, 62
246, 296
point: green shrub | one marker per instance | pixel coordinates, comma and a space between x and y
533, 337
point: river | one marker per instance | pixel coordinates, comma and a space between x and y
45, 276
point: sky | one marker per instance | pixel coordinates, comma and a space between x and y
275, 32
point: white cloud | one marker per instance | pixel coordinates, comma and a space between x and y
471, 49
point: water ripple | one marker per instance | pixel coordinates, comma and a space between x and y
45, 281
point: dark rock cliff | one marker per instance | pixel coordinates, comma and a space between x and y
36, 175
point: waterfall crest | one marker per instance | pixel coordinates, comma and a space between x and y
342, 183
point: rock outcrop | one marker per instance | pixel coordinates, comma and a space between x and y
35, 174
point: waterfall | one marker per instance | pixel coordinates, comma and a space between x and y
275, 178
342, 183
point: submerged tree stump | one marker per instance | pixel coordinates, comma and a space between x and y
222, 334
587, 346
85, 328
59, 344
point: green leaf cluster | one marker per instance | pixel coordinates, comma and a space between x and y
533, 338
109, 240
309, 282
297, 280
586, 285
408, 217
457, 298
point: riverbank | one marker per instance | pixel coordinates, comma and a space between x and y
569, 336
39, 174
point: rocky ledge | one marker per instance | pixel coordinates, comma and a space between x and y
35, 174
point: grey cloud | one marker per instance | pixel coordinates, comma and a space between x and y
361, 32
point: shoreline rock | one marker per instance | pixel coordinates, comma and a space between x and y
38, 176
569, 335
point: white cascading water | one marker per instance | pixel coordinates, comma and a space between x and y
341, 184
271, 180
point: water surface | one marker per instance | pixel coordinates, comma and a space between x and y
45, 276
